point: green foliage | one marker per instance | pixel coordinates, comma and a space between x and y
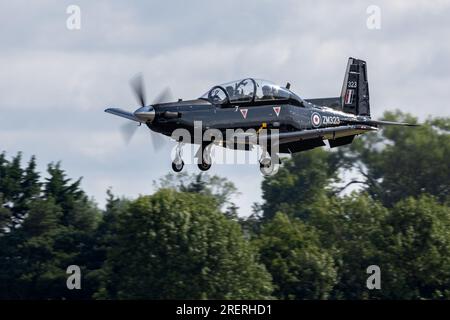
292, 253
351, 227
417, 250
221, 189
175, 245
399, 221
298, 182
10, 183
44, 229
306, 240
405, 161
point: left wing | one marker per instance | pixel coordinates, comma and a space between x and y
324, 133
381, 123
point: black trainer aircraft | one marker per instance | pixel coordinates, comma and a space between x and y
301, 124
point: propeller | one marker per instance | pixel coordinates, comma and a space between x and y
128, 130
164, 96
137, 84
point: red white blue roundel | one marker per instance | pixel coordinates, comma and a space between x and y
316, 119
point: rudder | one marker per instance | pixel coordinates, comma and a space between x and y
355, 89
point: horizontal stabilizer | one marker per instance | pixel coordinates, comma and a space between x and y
122, 113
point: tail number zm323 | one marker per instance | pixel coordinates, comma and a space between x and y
330, 120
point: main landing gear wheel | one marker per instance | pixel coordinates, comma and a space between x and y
204, 166
177, 166
269, 166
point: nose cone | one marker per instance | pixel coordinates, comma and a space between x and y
145, 114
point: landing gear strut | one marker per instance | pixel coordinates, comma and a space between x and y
206, 161
178, 163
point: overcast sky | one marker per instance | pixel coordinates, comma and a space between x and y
55, 82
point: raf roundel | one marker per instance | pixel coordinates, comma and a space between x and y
316, 119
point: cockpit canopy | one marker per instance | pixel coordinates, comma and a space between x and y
247, 90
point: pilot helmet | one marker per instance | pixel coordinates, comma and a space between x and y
230, 90
267, 91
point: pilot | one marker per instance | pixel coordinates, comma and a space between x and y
267, 93
230, 91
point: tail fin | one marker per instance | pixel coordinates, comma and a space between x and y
355, 89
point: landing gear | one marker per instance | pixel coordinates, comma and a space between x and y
177, 167
269, 165
204, 166
178, 163
206, 161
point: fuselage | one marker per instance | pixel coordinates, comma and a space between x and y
283, 115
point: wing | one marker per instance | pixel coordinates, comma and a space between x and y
301, 140
376, 123
323, 133
122, 113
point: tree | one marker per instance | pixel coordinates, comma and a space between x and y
39, 269
417, 250
292, 253
30, 189
105, 240
221, 189
404, 161
45, 228
299, 182
177, 245
353, 229
5, 217
18, 188
305, 241
12, 175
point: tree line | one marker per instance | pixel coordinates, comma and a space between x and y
311, 237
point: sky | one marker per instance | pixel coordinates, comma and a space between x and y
56, 82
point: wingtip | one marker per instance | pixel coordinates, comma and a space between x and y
108, 110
